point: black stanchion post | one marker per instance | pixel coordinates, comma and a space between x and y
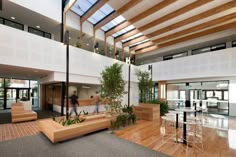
67, 73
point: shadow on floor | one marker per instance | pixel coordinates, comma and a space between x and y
6, 117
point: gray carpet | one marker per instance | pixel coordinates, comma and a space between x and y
100, 144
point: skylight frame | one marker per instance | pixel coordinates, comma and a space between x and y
84, 6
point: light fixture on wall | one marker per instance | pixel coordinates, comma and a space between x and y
38, 26
13, 18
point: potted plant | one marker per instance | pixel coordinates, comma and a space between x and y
147, 109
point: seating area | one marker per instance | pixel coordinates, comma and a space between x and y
56, 132
20, 113
117, 78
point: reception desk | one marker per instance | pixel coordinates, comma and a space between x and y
88, 105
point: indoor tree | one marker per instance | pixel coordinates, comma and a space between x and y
145, 85
113, 88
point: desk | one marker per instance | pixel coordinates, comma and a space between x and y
185, 110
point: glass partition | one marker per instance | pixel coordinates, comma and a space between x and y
212, 95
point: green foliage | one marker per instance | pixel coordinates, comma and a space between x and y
78, 45
124, 118
145, 85
127, 109
163, 106
70, 121
113, 87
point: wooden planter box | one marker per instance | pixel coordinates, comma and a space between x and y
147, 111
56, 132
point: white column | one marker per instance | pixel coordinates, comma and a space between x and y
232, 98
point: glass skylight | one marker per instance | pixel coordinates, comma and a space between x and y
81, 6
132, 37
100, 14
123, 31
113, 23
138, 43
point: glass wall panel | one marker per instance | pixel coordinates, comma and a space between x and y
212, 95
34, 93
15, 83
1, 98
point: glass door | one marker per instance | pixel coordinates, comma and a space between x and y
23, 94
11, 97
1, 98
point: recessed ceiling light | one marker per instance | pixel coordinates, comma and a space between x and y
13, 18
37, 26
87, 44
69, 37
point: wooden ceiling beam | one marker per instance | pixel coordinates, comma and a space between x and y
69, 5
140, 16
143, 45
126, 35
93, 9
196, 28
189, 37
117, 13
194, 18
167, 17
182, 23
133, 41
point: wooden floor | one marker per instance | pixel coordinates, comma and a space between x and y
215, 141
12, 131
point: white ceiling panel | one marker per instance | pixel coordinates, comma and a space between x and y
116, 4
171, 8
189, 14
233, 10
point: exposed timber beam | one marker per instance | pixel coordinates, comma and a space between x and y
93, 9
187, 21
140, 16
189, 37
165, 18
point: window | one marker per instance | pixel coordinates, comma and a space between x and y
38, 32
209, 49
182, 95
12, 24
183, 54
82, 6
218, 94
209, 94
226, 95
123, 31
100, 14
113, 23
1, 21
233, 43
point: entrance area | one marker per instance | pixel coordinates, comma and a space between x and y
14, 90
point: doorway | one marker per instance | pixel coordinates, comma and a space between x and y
15, 94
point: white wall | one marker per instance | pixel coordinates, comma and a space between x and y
232, 97
22, 49
48, 8
220, 63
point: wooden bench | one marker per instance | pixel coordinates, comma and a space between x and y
56, 132
19, 114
